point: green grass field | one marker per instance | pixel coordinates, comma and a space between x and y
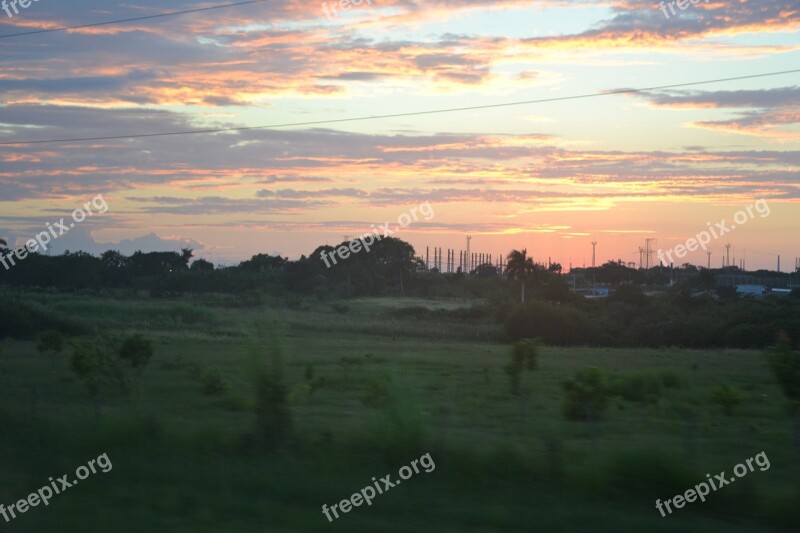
184, 460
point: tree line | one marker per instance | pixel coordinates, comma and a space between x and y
527, 300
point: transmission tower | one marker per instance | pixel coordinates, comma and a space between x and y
648, 251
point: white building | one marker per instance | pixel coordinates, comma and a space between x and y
751, 290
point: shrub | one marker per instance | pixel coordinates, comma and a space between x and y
85, 364
211, 382
110, 361
747, 336
398, 429
273, 420
630, 294
346, 362
524, 356
313, 385
136, 351
377, 393
728, 397
671, 379
643, 386
19, 320
273, 417
556, 326
587, 395
785, 365
50, 341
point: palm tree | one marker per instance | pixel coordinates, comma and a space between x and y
519, 266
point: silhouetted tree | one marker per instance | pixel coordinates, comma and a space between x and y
201, 265
520, 266
485, 271
262, 263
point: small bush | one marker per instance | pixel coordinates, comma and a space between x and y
22, 321
524, 356
110, 360
398, 430
311, 385
50, 341
273, 420
587, 395
785, 366
377, 393
671, 379
136, 351
728, 397
211, 382
644, 386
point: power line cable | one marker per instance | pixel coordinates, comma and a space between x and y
133, 19
395, 115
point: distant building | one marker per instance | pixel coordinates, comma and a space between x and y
595, 292
752, 290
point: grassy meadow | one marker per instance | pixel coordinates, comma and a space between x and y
372, 384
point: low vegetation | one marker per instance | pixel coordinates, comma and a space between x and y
264, 390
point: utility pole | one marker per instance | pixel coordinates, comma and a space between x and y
594, 246
709, 260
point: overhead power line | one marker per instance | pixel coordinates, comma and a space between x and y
133, 19
395, 115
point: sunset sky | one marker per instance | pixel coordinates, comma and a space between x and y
550, 177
